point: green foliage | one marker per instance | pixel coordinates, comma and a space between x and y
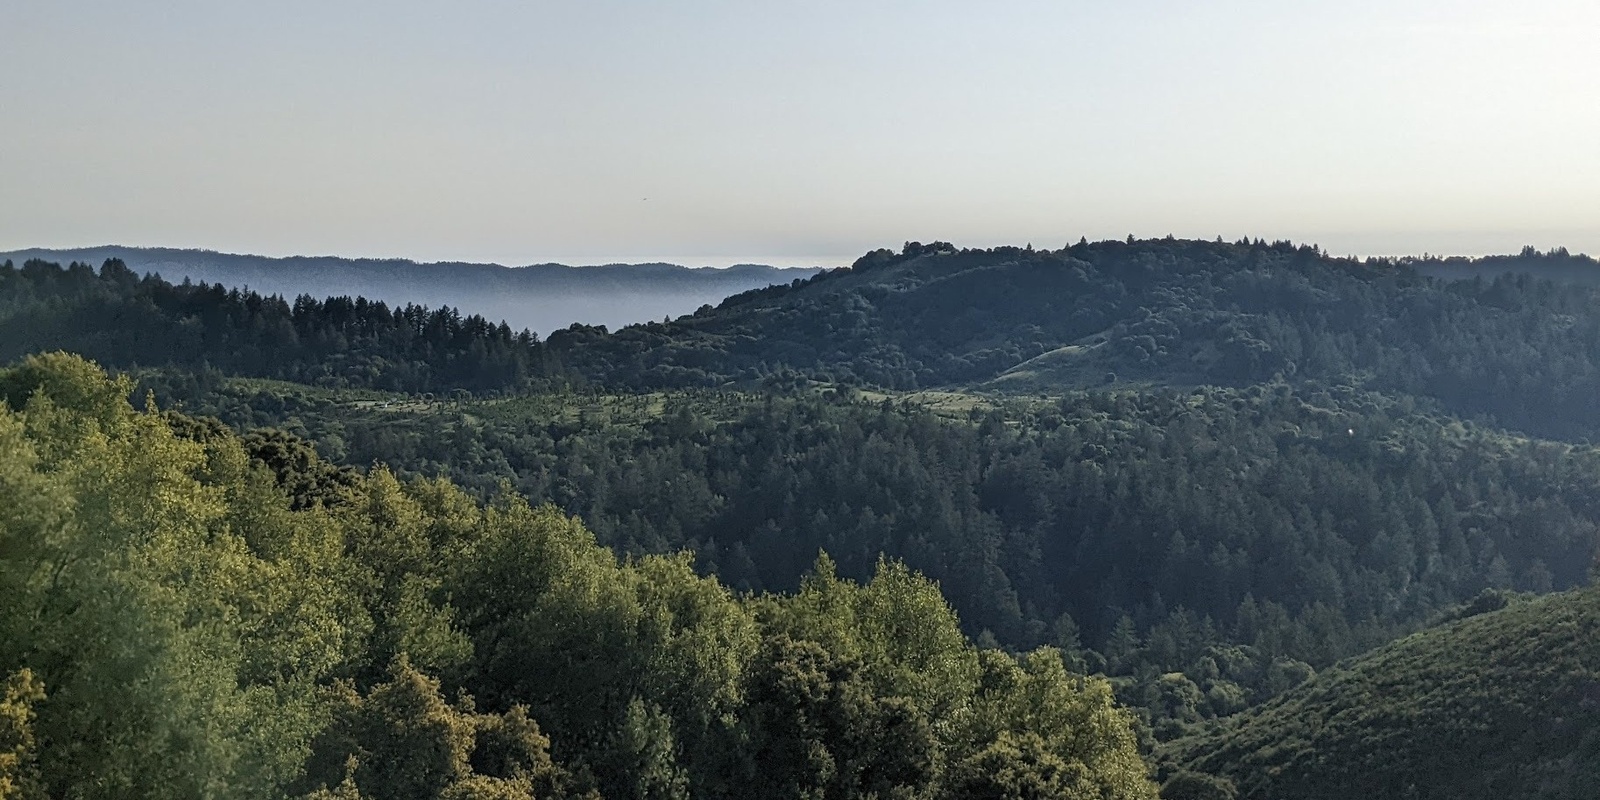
1208, 548
1018, 767
179, 661
898, 625
1071, 718
208, 627
940, 691
19, 778
1239, 537
1494, 705
1364, 538
123, 320
1283, 526
403, 741
1198, 786
1157, 311
296, 468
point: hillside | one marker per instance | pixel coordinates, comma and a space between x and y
194, 613
1348, 514
1501, 705
124, 321
1009, 320
1211, 547
1207, 471
540, 297
1154, 312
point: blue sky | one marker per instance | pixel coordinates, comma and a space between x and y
796, 133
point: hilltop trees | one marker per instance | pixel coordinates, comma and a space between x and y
1015, 319
194, 608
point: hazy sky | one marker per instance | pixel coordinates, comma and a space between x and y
795, 132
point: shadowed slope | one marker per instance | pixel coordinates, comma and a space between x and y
1501, 705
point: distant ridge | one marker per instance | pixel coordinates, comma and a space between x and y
540, 297
1556, 265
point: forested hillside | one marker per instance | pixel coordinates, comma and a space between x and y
1209, 473
192, 614
1147, 312
1499, 705
1267, 530
1157, 312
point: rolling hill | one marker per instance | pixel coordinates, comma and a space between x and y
1206, 470
1154, 312
1504, 704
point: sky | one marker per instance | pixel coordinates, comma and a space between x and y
707, 132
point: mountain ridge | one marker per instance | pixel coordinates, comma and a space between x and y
1149, 312
539, 297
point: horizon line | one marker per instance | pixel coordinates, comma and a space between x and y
723, 262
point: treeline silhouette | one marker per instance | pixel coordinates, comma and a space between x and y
122, 320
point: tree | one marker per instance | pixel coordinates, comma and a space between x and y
403, 741
1017, 767
19, 772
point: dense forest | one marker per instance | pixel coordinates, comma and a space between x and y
1143, 534
1167, 312
1150, 312
1500, 704
1209, 474
176, 627
123, 320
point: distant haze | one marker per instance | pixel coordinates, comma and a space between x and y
541, 298
715, 131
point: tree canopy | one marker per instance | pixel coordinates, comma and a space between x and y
185, 619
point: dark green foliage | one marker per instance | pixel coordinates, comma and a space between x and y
403, 741
299, 472
1015, 767
293, 461
19, 773
1198, 786
1497, 705
122, 320
1156, 311
1210, 548
820, 731
540, 297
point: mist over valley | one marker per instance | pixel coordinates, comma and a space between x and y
539, 297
